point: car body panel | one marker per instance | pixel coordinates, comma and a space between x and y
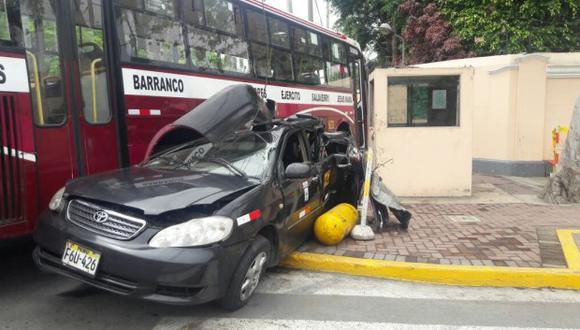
156, 191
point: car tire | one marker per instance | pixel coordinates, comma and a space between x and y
247, 275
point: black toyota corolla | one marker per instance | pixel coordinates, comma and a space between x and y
225, 192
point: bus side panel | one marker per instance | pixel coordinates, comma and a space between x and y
334, 116
146, 115
150, 105
18, 184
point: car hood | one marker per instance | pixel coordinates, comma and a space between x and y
234, 109
156, 191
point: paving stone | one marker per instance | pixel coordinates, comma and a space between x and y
511, 235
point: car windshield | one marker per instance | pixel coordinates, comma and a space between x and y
248, 155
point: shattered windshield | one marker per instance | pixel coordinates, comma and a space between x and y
246, 155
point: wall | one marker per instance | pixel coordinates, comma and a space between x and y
561, 94
520, 99
427, 161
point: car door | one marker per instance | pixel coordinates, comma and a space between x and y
301, 196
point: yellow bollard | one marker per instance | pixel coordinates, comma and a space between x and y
334, 225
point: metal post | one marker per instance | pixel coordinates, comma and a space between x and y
403, 54
310, 10
289, 6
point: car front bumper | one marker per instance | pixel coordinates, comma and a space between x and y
132, 268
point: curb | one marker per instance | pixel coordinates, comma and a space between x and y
438, 274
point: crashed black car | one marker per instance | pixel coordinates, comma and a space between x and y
225, 192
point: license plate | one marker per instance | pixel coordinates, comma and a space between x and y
81, 258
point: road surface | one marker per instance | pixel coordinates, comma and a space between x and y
286, 300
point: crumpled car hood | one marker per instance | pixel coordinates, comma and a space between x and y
157, 191
236, 108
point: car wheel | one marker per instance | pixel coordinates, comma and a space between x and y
247, 275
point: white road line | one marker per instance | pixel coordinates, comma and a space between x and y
313, 283
271, 324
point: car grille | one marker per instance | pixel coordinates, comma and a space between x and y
116, 225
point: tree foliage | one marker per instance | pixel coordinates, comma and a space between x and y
360, 19
428, 34
446, 29
490, 27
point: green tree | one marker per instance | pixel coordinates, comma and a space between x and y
490, 27
360, 20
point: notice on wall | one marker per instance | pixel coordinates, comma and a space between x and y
439, 99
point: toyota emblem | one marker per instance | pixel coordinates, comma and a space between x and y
100, 216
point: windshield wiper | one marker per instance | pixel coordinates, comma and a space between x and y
163, 154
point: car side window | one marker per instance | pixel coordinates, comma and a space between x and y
294, 152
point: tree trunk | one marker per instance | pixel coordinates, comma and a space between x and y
564, 185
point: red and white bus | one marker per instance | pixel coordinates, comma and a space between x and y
85, 84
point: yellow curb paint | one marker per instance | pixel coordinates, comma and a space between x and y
569, 247
439, 274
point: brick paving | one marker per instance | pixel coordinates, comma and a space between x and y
509, 232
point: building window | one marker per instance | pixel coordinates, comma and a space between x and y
423, 101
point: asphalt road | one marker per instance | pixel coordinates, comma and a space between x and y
286, 299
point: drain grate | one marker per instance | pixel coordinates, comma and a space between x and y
463, 218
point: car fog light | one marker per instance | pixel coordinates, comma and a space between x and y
194, 232
57, 201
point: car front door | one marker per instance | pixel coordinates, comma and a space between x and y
301, 196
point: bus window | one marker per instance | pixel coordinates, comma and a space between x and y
307, 42
223, 15
162, 7
279, 33
336, 65
308, 50
44, 65
257, 29
310, 70
93, 73
193, 12
272, 63
223, 53
4, 26
145, 36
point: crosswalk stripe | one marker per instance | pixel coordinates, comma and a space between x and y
313, 283
275, 324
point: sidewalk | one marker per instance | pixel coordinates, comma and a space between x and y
502, 224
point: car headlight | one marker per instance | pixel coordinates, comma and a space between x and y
57, 201
194, 232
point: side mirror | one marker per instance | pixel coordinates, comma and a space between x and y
298, 171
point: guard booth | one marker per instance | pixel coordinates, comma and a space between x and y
421, 127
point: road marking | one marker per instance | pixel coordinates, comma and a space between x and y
271, 324
314, 283
569, 247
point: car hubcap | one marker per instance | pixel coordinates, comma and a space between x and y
253, 274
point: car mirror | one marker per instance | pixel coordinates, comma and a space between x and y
298, 171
